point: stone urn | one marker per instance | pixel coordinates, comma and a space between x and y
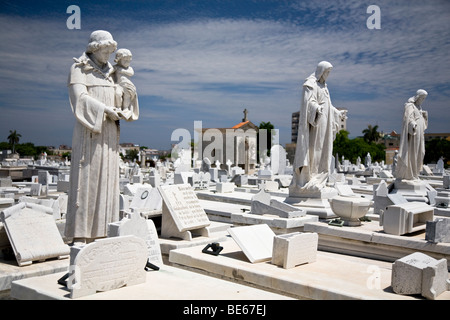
350, 209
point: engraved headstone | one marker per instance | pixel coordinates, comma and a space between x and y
256, 241
200, 180
135, 224
182, 213
107, 264
50, 203
33, 233
146, 199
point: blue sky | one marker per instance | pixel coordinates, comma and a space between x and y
208, 60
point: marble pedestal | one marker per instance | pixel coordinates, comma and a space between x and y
314, 202
411, 190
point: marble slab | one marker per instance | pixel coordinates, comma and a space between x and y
255, 241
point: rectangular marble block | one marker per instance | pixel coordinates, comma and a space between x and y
438, 230
293, 249
255, 241
223, 187
406, 218
418, 273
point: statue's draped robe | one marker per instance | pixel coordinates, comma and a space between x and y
412, 143
316, 132
93, 199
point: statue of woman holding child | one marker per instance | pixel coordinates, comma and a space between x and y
97, 103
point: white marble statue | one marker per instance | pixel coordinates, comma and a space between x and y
412, 140
93, 199
126, 95
368, 160
318, 125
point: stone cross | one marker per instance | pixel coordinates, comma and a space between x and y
245, 115
229, 163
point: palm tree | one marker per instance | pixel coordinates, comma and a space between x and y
371, 134
13, 139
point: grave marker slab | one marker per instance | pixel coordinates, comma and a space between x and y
182, 213
134, 224
344, 190
255, 241
107, 264
50, 203
146, 199
33, 233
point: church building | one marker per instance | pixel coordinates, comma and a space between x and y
237, 144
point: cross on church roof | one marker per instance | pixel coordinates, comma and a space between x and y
245, 115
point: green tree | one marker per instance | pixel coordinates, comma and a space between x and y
435, 149
67, 154
371, 134
351, 149
267, 126
4, 145
13, 139
132, 154
26, 149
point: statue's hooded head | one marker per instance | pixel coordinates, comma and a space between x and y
100, 39
419, 97
321, 69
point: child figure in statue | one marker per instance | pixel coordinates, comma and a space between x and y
126, 98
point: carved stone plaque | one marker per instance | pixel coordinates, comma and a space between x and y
107, 264
184, 207
143, 228
33, 233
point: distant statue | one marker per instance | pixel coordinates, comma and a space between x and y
412, 139
93, 197
318, 124
394, 161
368, 160
206, 165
